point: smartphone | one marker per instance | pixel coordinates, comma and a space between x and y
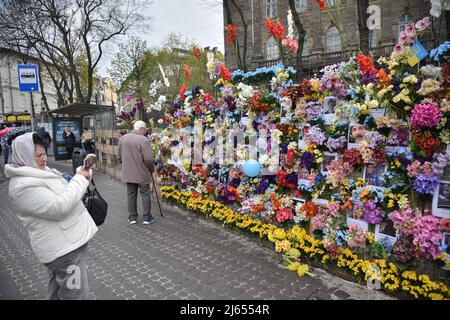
89, 161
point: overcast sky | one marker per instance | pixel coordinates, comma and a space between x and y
190, 18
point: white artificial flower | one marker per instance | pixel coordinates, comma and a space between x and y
166, 81
290, 25
246, 91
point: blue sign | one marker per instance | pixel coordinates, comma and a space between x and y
419, 50
28, 78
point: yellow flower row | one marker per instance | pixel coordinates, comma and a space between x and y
296, 242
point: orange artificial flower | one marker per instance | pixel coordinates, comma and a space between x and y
310, 209
275, 202
182, 91
226, 75
187, 72
232, 33
275, 30
196, 53
384, 78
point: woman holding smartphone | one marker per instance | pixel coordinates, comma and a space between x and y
58, 224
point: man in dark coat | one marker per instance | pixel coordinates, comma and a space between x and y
69, 139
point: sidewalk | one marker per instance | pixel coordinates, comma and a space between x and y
179, 256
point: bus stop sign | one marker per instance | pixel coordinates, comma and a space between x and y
28, 78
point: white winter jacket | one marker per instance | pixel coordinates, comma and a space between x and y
50, 209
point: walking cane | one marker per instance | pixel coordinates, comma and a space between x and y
156, 194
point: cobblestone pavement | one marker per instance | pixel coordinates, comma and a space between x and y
180, 256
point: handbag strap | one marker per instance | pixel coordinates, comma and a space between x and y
92, 181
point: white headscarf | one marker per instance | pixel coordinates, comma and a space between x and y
23, 151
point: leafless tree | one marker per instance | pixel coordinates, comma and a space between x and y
362, 6
68, 37
301, 37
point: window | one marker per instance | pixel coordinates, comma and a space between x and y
301, 5
272, 49
404, 21
372, 39
271, 8
305, 51
333, 40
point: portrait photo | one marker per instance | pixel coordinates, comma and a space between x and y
356, 133
329, 103
303, 173
399, 137
328, 157
441, 200
374, 174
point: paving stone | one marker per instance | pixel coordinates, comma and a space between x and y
174, 258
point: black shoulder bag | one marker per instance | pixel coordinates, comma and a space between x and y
95, 205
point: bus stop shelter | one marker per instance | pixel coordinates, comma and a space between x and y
72, 116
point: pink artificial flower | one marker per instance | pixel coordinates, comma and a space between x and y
403, 38
291, 44
413, 169
398, 48
423, 24
425, 115
426, 168
409, 31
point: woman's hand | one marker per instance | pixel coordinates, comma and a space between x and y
86, 174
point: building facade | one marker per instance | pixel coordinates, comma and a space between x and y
322, 45
15, 104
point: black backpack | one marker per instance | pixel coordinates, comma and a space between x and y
95, 205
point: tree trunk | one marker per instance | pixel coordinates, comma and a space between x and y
362, 6
447, 19
301, 39
43, 95
229, 19
245, 26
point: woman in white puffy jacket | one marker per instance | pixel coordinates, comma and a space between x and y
58, 224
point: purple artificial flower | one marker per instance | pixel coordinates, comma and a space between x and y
399, 137
230, 103
315, 135
368, 78
426, 184
314, 110
336, 143
372, 214
235, 182
262, 187
441, 160
374, 138
307, 159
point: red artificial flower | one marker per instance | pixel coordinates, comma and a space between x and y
276, 31
365, 64
232, 33
321, 4
187, 72
352, 157
223, 70
182, 91
197, 53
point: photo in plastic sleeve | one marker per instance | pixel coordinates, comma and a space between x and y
329, 105
374, 174
385, 231
354, 217
446, 245
304, 175
356, 134
441, 200
328, 157
296, 202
